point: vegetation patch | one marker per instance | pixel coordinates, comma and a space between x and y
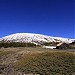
16, 44
51, 63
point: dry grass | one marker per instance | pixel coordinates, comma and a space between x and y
38, 60
47, 63
4, 53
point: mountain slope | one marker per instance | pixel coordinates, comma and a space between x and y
34, 38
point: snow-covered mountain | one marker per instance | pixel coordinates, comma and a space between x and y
34, 38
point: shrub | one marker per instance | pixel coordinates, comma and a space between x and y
16, 44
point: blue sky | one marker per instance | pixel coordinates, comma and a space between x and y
49, 17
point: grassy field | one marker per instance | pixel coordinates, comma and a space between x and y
37, 60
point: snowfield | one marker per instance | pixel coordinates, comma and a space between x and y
34, 38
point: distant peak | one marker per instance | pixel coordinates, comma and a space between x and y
34, 38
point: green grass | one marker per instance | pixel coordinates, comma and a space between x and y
49, 63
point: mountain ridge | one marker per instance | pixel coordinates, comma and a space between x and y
34, 38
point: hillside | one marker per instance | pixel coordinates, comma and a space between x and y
34, 38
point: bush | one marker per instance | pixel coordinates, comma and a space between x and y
16, 44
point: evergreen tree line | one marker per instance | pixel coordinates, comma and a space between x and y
16, 44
